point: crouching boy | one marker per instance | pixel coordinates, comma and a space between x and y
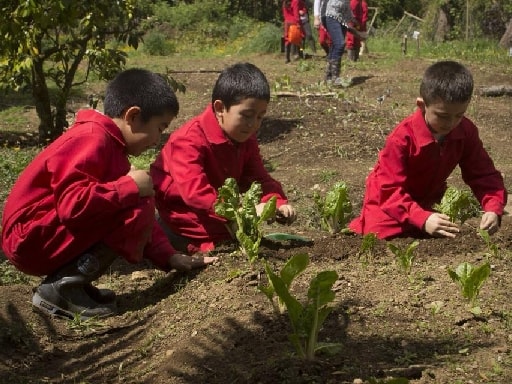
79, 204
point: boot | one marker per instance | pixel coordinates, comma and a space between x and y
351, 54
288, 49
69, 291
328, 71
336, 68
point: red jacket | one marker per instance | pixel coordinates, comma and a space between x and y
411, 172
74, 194
193, 165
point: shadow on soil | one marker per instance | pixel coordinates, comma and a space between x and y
230, 344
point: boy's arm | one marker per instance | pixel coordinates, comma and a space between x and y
161, 253
77, 171
479, 173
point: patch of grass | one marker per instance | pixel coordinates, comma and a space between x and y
9, 275
12, 162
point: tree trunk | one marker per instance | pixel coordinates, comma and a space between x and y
506, 39
43, 105
442, 26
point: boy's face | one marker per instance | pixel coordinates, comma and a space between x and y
441, 117
242, 120
139, 135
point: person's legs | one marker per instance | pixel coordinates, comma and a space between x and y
337, 34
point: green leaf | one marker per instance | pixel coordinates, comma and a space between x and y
279, 236
293, 267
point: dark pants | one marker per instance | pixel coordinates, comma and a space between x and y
337, 33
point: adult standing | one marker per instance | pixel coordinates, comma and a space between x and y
338, 16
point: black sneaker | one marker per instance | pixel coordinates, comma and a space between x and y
67, 297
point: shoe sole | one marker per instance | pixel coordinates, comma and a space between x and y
50, 308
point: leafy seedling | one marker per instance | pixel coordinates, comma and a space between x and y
293, 267
405, 257
492, 247
306, 319
278, 236
335, 208
240, 209
470, 280
459, 205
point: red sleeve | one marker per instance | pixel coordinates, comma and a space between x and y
76, 172
296, 15
478, 171
365, 14
392, 174
159, 249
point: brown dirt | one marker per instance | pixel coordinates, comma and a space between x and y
214, 326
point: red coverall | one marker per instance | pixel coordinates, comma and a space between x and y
360, 11
290, 16
192, 166
74, 194
410, 177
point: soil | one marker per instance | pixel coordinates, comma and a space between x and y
214, 326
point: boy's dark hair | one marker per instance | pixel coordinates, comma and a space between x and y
239, 82
447, 81
138, 87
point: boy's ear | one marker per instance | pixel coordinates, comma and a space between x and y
131, 114
420, 103
218, 107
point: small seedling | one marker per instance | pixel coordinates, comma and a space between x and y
335, 208
459, 205
491, 246
367, 246
471, 279
405, 256
240, 209
306, 319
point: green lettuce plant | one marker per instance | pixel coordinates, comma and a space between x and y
458, 204
335, 207
306, 319
405, 256
240, 209
470, 280
293, 267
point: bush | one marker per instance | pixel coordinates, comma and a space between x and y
156, 44
266, 40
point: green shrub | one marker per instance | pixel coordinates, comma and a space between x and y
266, 40
156, 44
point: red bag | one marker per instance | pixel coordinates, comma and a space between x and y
294, 34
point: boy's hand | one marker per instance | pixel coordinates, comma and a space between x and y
286, 214
439, 224
143, 181
490, 222
183, 262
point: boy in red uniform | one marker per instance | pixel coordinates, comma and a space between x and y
353, 42
78, 205
217, 144
418, 157
291, 16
